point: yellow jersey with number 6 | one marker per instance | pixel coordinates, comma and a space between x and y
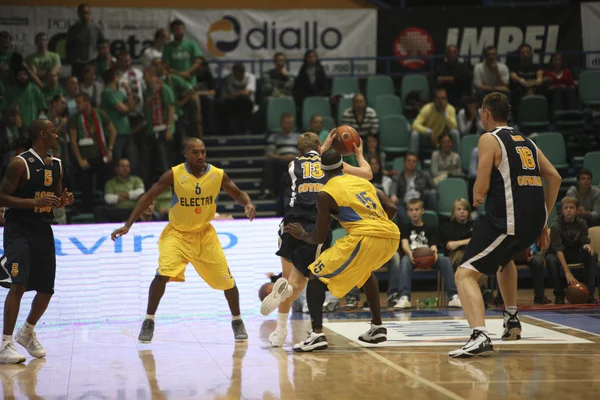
360, 212
194, 201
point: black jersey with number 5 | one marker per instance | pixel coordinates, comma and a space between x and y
515, 202
307, 179
41, 181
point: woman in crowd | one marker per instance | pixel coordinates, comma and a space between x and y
445, 162
379, 180
562, 85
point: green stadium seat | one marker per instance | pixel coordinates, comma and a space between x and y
430, 219
533, 112
450, 190
552, 144
589, 84
414, 82
467, 144
377, 86
314, 105
394, 134
344, 85
277, 106
343, 104
388, 104
337, 234
591, 161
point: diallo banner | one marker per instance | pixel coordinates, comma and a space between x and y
425, 32
259, 34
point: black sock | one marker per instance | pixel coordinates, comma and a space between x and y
315, 297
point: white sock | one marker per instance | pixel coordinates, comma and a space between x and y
148, 316
7, 338
27, 327
282, 320
236, 317
511, 310
482, 329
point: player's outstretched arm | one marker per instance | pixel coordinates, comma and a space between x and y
325, 205
165, 181
364, 168
387, 204
15, 173
238, 195
487, 147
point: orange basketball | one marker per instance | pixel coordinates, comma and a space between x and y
265, 290
346, 137
577, 293
424, 258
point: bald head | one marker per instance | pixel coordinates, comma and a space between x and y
192, 142
194, 152
36, 128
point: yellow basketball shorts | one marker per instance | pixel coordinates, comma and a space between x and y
351, 261
202, 249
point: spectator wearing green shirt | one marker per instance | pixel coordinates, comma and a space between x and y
104, 61
156, 149
26, 95
120, 194
43, 61
92, 137
52, 88
117, 105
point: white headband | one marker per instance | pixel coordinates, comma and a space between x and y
333, 166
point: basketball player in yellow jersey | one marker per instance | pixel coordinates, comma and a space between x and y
366, 214
189, 237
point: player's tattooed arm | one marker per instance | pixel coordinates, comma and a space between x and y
16, 173
325, 206
238, 195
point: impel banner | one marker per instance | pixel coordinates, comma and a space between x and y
131, 29
101, 280
424, 31
590, 21
259, 34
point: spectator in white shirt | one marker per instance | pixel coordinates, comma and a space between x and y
469, 118
132, 78
161, 37
491, 75
237, 104
90, 85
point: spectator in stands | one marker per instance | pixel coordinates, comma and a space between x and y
117, 104
454, 76
562, 94
156, 148
413, 236
490, 75
360, 117
412, 183
150, 214
237, 104
206, 90
82, 38
380, 180
120, 194
311, 79
71, 92
13, 136
456, 235
6, 53
91, 86
25, 95
317, 126
445, 162
56, 114
570, 244
182, 55
525, 77
536, 265
52, 88
131, 78
373, 150
282, 147
588, 198
161, 38
43, 61
434, 119
92, 136
277, 81
104, 61
469, 118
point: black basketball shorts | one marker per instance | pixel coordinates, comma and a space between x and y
298, 252
29, 257
490, 249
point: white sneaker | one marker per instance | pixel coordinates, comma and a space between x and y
277, 338
30, 342
455, 302
10, 355
479, 344
281, 291
404, 302
314, 341
377, 334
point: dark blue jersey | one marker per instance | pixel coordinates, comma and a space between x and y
515, 202
307, 179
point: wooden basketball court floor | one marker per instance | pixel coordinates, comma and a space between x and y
196, 358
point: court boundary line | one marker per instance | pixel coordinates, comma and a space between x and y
562, 326
404, 371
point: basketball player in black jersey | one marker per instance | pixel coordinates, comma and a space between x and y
510, 173
30, 190
307, 178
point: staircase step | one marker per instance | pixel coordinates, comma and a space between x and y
239, 162
259, 214
235, 173
233, 140
232, 206
247, 183
251, 192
